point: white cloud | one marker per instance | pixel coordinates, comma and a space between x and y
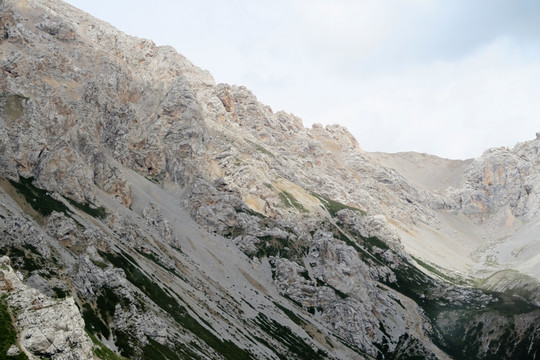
344, 25
451, 109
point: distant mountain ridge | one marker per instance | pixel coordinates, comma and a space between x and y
186, 220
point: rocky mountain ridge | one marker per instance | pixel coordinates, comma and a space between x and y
188, 220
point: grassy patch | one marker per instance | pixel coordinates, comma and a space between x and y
292, 342
438, 272
157, 351
39, 199
100, 264
284, 248
508, 305
102, 351
107, 301
31, 248
292, 300
60, 293
459, 321
368, 242
272, 348
305, 275
8, 335
407, 348
22, 259
334, 206
45, 204
30, 264
290, 201
233, 231
153, 179
413, 283
226, 348
261, 149
313, 309
272, 246
93, 323
295, 318
237, 162
126, 344
339, 293
89, 208
372, 241
247, 210
152, 257
348, 239
464, 331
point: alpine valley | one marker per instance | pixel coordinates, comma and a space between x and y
147, 212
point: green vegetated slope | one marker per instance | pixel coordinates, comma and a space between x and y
470, 323
461, 316
99, 312
42, 201
8, 335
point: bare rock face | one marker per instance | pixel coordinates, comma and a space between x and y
57, 332
492, 183
110, 179
57, 28
48, 327
155, 219
19, 231
13, 351
63, 229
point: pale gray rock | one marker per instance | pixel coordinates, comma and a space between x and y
89, 277
13, 351
37, 282
502, 176
110, 179
155, 219
57, 332
127, 230
19, 231
63, 229
57, 28
47, 327
143, 325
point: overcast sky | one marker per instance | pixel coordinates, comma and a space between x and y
446, 77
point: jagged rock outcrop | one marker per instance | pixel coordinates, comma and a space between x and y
503, 176
48, 327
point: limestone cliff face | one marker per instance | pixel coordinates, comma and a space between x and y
48, 327
188, 220
504, 177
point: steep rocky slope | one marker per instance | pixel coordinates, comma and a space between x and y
487, 210
48, 327
187, 220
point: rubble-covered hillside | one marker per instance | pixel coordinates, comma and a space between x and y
149, 213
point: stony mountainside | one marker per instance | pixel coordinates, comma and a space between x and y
183, 219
